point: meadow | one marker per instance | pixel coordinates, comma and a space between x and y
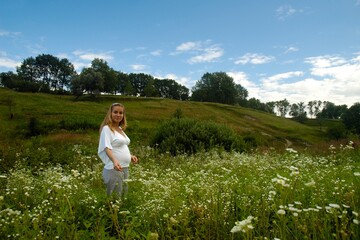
209, 195
51, 185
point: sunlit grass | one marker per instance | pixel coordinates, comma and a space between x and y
213, 195
55, 113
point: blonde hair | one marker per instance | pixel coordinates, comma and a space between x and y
108, 120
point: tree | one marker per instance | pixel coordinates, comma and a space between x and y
65, 74
270, 106
109, 75
317, 107
297, 111
242, 95
28, 70
139, 81
332, 111
150, 90
351, 118
311, 105
9, 79
283, 107
89, 81
215, 87
46, 73
168, 88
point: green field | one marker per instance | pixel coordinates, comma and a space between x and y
60, 116
51, 184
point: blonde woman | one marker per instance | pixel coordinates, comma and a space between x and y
113, 150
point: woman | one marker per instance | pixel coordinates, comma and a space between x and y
113, 150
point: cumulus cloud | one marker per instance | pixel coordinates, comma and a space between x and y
254, 58
202, 51
210, 54
6, 62
241, 78
343, 74
325, 61
330, 78
282, 76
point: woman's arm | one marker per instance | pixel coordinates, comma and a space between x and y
113, 159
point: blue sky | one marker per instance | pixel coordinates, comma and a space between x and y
299, 50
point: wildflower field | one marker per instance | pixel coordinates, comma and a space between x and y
209, 195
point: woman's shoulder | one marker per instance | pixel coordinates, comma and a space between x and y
106, 128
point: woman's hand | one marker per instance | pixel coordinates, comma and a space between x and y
134, 159
117, 165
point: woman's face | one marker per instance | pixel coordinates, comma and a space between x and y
117, 114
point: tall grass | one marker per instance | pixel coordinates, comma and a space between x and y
209, 195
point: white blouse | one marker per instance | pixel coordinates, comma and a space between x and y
118, 143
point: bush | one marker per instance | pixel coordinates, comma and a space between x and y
184, 135
337, 132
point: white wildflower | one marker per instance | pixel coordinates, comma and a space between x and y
281, 212
124, 212
243, 225
173, 220
310, 184
291, 150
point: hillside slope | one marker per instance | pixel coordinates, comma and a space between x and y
61, 115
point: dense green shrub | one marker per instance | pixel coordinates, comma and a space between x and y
337, 132
184, 135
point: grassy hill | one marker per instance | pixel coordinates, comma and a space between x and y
62, 119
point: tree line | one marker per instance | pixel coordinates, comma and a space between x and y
47, 73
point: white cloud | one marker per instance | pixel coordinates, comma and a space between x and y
333, 79
342, 74
91, 56
8, 63
254, 58
188, 46
156, 53
241, 78
210, 54
138, 67
203, 51
325, 61
279, 77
